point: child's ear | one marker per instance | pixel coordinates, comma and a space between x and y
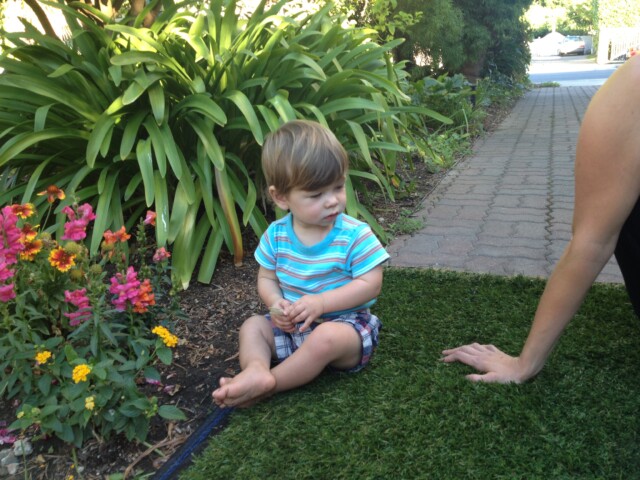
279, 199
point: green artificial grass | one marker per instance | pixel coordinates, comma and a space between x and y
410, 416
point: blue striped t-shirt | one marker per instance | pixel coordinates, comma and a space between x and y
348, 251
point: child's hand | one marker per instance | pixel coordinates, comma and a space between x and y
307, 310
280, 318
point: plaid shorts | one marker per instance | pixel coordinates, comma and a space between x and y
366, 324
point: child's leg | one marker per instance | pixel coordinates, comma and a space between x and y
255, 380
331, 343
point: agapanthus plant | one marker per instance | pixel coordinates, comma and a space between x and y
79, 334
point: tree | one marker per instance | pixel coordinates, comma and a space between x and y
436, 38
494, 38
618, 13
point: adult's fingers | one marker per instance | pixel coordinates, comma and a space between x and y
470, 358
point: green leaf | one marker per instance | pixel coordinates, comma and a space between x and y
51, 424
22, 141
208, 140
210, 257
157, 142
165, 355
145, 162
152, 373
100, 132
203, 104
103, 215
130, 134
244, 105
157, 101
162, 210
171, 412
44, 384
350, 104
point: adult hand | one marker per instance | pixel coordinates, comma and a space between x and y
306, 309
497, 366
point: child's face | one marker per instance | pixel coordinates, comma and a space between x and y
318, 208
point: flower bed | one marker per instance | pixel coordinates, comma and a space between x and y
82, 334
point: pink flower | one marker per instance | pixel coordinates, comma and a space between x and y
160, 255
10, 234
150, 219
128, 289
86, 212
7, 437
79, 299
7, 292
5, 272
75, 229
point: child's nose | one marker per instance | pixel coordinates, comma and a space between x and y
332, 199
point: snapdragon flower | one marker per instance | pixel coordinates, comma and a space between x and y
75, 228
7, 292
160, 255
10, 235
129, 290
79, 299
150, 219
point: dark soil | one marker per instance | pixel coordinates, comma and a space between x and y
208, 347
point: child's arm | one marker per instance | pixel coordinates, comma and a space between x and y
357, 292
271, 294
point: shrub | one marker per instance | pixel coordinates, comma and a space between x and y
75, 349
172, 117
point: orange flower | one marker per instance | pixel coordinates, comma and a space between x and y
145, 297
62, 260
28, 232
112, 237
23, 211
31, 249
52, 192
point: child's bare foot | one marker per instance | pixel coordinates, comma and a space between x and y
245, 389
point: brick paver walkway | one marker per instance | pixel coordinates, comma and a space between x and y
507, 209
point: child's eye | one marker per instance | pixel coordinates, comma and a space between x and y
315, 195
340, 187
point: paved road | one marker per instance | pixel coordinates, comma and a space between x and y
570, 71
507, 209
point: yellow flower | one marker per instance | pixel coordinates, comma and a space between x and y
42, 357
80, 373
60, 259
167, 337
89, 403
20, 415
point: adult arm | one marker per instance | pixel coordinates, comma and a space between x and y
607, 186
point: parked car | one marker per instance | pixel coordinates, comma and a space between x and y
571, 45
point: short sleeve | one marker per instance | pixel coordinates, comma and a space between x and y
265, 254
367, 252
